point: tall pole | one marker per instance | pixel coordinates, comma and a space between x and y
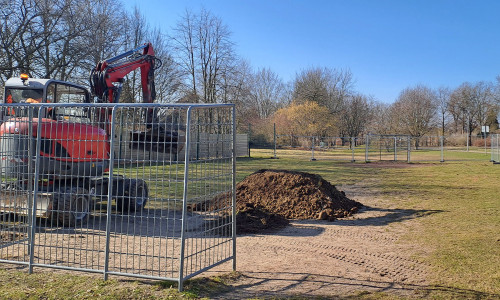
312, 150
395, 149
409, 149
468, 132
353, 145
366, 147
442, 148
274, 136
249, 137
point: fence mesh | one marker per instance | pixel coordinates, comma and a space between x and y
138, 190
374, 147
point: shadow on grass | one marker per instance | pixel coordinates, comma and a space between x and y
305, 285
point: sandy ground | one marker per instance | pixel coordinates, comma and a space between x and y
320, 258
365, 252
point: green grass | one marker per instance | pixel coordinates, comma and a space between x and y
466, 235
460, 240
463, 234
45, 285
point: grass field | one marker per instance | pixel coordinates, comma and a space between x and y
464, 234
460, 239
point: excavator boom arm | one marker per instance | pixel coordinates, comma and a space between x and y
106, 78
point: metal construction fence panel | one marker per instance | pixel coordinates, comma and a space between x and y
387, 147
495, 148
336, 148
450, 148
144, 190
375, 147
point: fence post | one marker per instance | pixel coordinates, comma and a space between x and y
233, 186
274, 136
395, 149
484, 136
185, 199
468, 139
249, 137
442, 148
366, 147
491, 147
497, 147
312, 149
33, 185
409, 149
353, 145
110, 193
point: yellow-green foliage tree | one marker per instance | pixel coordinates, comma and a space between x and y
306, 119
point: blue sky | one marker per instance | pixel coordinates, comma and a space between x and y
387, 45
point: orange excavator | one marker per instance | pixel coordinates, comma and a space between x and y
72, 170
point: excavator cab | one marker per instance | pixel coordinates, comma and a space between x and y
29, 90
73, 149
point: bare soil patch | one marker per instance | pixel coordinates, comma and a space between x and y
318, 258
309, 258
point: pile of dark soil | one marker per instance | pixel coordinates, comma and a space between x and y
266, 198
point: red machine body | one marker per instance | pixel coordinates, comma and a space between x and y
74, 140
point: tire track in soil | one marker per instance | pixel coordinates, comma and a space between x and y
355, 254
341, 233
336, 233
393, 266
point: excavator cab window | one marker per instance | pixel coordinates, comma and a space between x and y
61, 93
18, 95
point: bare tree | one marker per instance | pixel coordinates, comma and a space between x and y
380, 122
327, 87
104, 37
443, 99
414, 111
483, 100
185, 47
355, 115
470, 105
268, 92
43, 38
204, 50
19, 24
167, 75
135, 32
235, 83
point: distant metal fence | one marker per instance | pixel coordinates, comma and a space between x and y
388, 147
143, 190
495, 148
375, 147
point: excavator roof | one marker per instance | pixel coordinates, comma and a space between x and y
17, 82
36, 83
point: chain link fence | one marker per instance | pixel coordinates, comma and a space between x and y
376, 147
142, 190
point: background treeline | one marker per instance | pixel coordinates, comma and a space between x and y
65, 39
